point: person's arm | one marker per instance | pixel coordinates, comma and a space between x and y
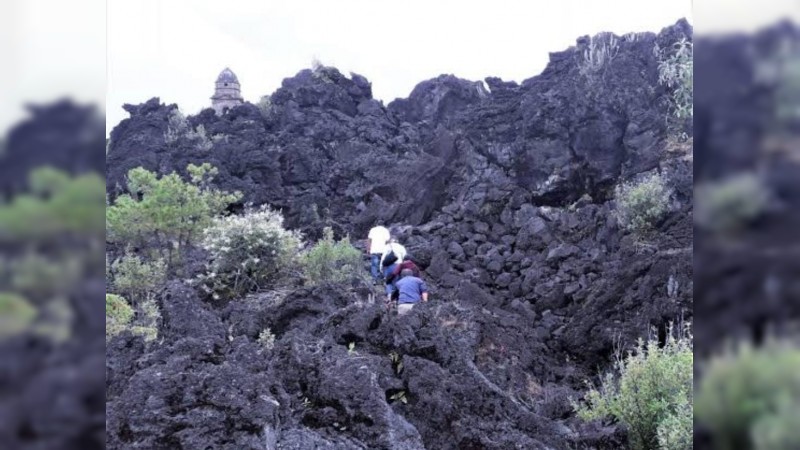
424, 296
424, 289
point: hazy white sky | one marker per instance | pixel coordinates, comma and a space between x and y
50, 49
174, 49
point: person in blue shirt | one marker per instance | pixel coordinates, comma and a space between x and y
411, 290
389, 279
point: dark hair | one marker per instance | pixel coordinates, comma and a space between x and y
407, 257
406, 273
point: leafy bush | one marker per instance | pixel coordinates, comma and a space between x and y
248, 251
732, 203
676, 72
199, 138
147, 320
329, 261
742, 387
118, 314
177, 126
778, 431
675, 432
16, 314
166, 212
640, 205
136, 279
651, 394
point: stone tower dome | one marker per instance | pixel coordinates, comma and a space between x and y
227, 92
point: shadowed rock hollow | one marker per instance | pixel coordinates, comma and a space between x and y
502, 191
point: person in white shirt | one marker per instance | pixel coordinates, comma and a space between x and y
377, 242
393, 247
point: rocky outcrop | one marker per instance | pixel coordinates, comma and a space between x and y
502, 192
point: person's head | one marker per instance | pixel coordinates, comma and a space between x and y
406, 273
407, 257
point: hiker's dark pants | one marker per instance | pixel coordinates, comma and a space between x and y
376, 270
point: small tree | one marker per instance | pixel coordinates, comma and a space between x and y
166, 212
651, 394
329, 261
248, 252
640, 205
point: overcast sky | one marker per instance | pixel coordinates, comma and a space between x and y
175, 49
50, 49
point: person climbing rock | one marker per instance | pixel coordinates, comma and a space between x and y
394, 252
389, 280
407, 263
411, 290
377, 241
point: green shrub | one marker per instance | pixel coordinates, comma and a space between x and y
199, 138
177, 126
147, 320
742, 387
16, 314
640, 205
676, 72
136, 279
779, 430
118, 314
166, 213
329, 261
651, 394
676, 431
248, 252
730, 204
